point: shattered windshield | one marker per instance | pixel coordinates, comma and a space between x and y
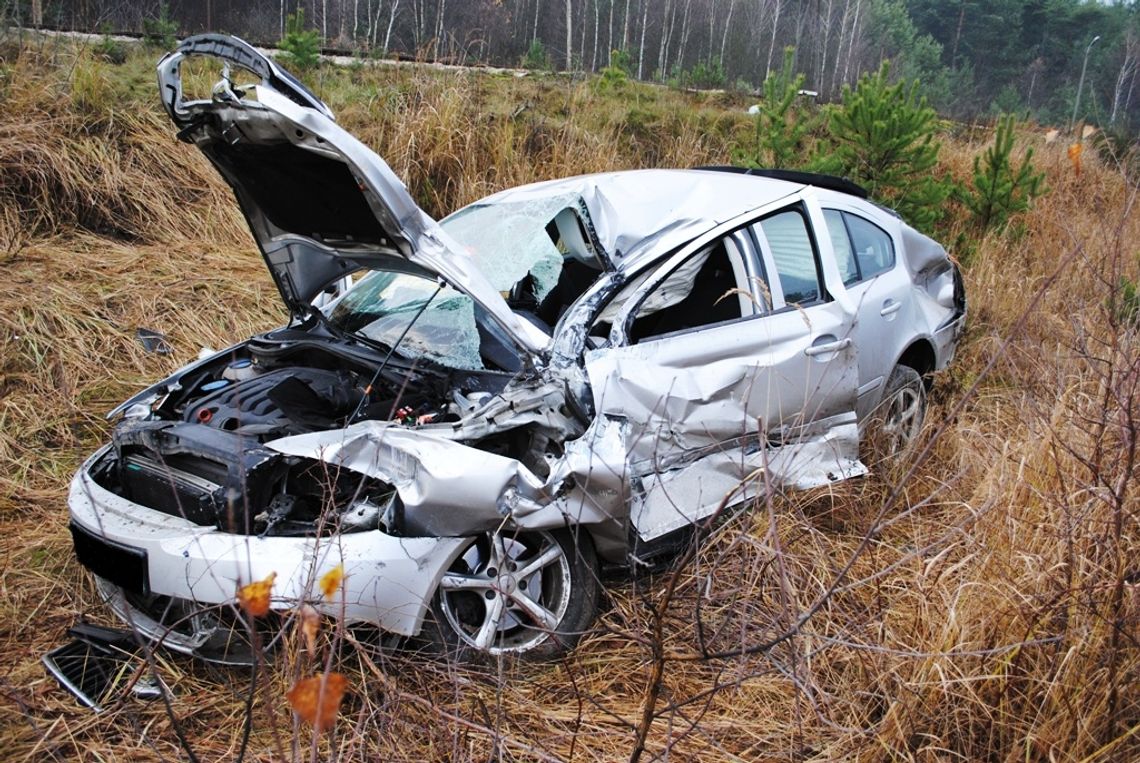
510, 240
382, 304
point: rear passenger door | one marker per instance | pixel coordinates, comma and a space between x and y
881, 289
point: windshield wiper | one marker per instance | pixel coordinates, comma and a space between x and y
391, 351
318, 315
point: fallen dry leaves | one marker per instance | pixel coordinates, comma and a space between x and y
254, 597
331, 581
317, 699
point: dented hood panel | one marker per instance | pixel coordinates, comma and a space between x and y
320, 204
450, 489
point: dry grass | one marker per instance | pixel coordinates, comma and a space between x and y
991, 613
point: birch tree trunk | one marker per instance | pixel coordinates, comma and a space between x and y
391, 22
582, 37
569, 36
440, 10
831, 87
610, 41
1128, 98
851, 40
683, 48
594, 58
625, 28
772, 44
418, 23
958, 33
823, 53
727, 23
664, 41
1127, 72
641, 51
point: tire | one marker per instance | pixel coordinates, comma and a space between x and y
526, 593
895, 424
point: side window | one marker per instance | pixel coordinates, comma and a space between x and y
873, 248
841, 243
709, 287
792, 251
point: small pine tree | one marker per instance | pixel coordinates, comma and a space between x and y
301, 47
160, 31
537, 58
780, 126
883, 137
999, 190
614, 76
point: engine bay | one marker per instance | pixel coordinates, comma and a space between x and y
197, 449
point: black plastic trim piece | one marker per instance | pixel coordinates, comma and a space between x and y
819, 180
125, 566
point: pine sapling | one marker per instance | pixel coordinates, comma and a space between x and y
883, 138
302, 47
780, 126
999, 190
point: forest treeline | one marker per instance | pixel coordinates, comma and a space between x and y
973, 58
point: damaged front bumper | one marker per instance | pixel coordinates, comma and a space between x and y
388, 580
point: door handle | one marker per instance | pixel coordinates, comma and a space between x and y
890, 307
823, 349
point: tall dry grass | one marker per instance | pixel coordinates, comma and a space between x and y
983, 607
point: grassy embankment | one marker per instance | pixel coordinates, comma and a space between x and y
992, 614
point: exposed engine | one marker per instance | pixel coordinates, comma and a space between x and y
198, 452
283, 401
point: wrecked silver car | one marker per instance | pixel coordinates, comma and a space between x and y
559, 377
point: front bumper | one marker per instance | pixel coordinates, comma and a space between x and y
388, 580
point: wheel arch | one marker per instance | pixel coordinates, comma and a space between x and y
920, 356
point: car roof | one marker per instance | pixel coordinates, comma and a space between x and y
636, 213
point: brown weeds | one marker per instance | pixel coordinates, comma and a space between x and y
990, 612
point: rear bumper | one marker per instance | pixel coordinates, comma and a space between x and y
946, 338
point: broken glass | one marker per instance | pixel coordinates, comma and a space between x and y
382, 304
509, 240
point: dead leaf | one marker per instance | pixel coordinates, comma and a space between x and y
1051, 135
331, 580
317, 708
254, 597
1075, 157
310, 625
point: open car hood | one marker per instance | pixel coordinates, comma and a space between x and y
320, 204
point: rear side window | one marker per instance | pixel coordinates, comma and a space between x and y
792, 251
859, 244
841, 243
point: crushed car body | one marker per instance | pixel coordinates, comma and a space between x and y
557, 377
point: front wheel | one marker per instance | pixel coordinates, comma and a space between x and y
531, 593
896, 422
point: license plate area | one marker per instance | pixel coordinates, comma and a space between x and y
123, 565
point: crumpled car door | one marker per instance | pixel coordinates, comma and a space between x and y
706, 405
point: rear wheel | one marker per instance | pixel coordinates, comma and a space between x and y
530, 593
896, 422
